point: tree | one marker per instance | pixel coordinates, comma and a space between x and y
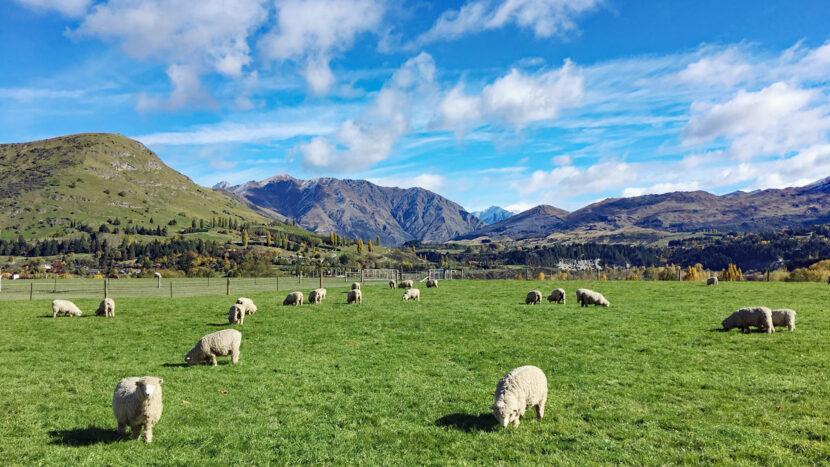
370, 246
377, 240
268, 237
244, 238
359, 245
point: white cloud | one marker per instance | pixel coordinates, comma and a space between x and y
563, 159
431, 182
521, 206
238, 133
72, 8
575, 181
660, 188
726, 68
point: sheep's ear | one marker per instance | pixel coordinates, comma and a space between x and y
161, 381
139, 383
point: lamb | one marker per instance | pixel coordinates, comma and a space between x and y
432, 283
316, 295
391, 284
224, 342
65, 307
294, 298
784, 317
412, 294
355, 296
589, 297
355, 285
405, 284
758, 316
534, 297
247, 305
520, 389
236, 314
106, 308
137, 403
712, 281
557, 296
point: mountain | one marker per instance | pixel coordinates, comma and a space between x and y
361, 209
527, 224
492, 214
92, 177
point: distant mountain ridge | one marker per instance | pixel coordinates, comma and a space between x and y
360, 209
492, 214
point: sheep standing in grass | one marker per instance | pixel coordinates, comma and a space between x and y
412, 294
236, 315
355, 285
224, 342
65, 307
405, 284
520, 389
391, 284
432, 283
354, 296
758, 316
106, 308
534, 297
712, 281
294, 298
247, 304
137, 403
557, 296
589, 297
316, 295
784, 317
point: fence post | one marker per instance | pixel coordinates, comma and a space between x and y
171, 289
301, 277
228, 287
158, 280
31, 289
106, 288
55, 282
278, 281
361, 276
321, 279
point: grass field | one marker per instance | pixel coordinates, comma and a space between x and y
647, 381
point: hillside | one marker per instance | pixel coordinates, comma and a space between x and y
360, 209
526, 224
88, 178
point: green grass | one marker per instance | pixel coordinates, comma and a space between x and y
647, 381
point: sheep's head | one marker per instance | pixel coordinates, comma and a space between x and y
504, 412
146, 387
730, 322
191, 358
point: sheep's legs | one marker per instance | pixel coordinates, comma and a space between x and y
122, 428
148, 433
235, 357
213, 360
540, 410
135, 431
516, 421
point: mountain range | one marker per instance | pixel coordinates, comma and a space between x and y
492, 214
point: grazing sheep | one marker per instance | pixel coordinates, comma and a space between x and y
157, 275
65, 307
534, 297
432, 283
557, 296
412, 294
294, 298
106, 308
520, 389
224, 342
316, 295
137, 403
589, 297
355, 285
758, 316
355, 296
391, 284
784, 317
247, 305
236, 315
405, 284
712, 281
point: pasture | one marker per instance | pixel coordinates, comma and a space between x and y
649, 380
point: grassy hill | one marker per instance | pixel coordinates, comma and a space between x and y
89, 178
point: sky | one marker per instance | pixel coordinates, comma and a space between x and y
512, 103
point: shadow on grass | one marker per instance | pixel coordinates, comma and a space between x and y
169, 365
468, 422
85, 436
218, 324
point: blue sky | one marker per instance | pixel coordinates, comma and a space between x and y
506, 102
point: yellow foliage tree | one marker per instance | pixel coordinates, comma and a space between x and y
731, 273
540, 276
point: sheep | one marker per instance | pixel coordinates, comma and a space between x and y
224, 342
65, 307
712, 281
157, 275
432, 283
236, 314
355, 285
294, 298
137, 403
247, 305
391, 284
557, 296
534, 297
405, 284
520, 389
355, 296
758, 316
316, 295
784, 317
106, 308
412, 294
579, 295
589, 297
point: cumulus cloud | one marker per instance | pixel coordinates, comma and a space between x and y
575, 181
659, 188
72, 8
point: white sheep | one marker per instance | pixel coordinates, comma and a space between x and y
224, 342
558, 296
758, 316
391, 284
784, 317
236, 314
412, 294
712, 281
520, 389
106, 308
316, 295
355, 296
247, 305
355, 285
432, 283
294, 298
534, 297
405, 284
65, 307
137, 403
589, 297
579, 295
